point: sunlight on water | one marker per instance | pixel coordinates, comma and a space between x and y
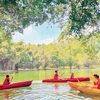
38, 81
43, 91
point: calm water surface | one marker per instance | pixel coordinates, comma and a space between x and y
46, 91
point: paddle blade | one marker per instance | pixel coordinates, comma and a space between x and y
12, 76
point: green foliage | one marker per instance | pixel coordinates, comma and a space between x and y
6, 53
18, 14
74, 51
82, 13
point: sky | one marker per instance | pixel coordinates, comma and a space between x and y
43, 34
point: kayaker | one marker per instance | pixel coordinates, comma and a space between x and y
56, 75
7, 80
72, 76
98, 81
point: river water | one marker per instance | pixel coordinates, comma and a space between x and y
45, 91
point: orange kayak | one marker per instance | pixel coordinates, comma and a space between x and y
85, 88
89, 90
78, 84
73, 84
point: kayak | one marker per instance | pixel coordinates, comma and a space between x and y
85, 88
54, 80
79, 79
73, 84
16, 85
89, 90
78, 84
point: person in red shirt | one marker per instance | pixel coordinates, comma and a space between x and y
98, 81
72, 76
7, 80
56, 76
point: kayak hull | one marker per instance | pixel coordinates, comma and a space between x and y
16, 85
89, 90
79, 79
85, 88
78, 84
54, 80
73, 84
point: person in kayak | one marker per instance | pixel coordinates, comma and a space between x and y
56, 75
7, 80
72, 76
97, 83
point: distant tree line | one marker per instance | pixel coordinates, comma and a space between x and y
71, 52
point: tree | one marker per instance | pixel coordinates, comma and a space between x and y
83, 12
7, 55
18, 14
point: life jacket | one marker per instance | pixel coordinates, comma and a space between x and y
56, 76
98, 84
6, 81
72, 76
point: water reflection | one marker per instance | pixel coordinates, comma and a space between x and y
45, 91
6, 95
11, 93
56, 87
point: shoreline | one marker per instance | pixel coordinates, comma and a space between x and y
22, 70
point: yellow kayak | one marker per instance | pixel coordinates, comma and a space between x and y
85, 88
89, 90
76, 84
73, 84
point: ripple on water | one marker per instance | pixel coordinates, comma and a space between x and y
45, 91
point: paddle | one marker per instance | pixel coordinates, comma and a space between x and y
62, 74
91, 78
12, 76
81, 83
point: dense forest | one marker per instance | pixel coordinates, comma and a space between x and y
76, 47
71, 52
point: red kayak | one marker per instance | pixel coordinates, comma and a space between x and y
79, 79
16, 85
54, 80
